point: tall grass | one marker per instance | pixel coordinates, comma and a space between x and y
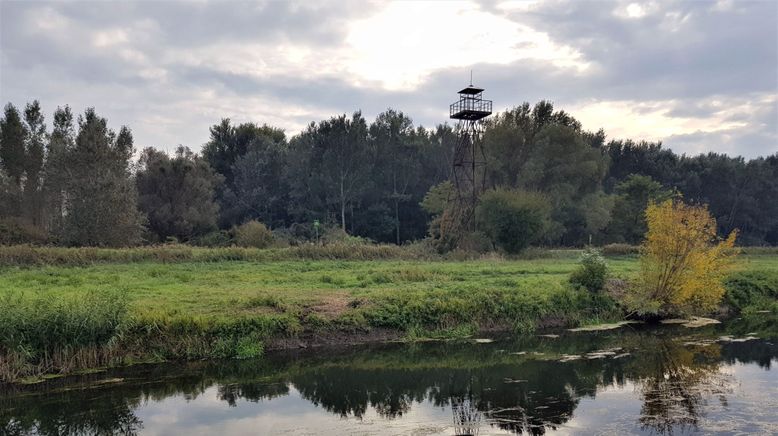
522, 311
749, 291
41, 333
26, 255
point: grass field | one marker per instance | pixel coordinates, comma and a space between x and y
239, 288
151, 310
234, 288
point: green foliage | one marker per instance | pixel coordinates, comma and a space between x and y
592, 271
628, 223
37, 325
19, 231
33, 163
538, 149
200, 304
259, 189
475, 243
513, 219
434, 203
246, 346
752, 290
385, 181
218, 238
332, 154
435, 200
55, 171
253, 234
416, 333
336, 235
229, 142
102, 198
177, 193
738, 193
12, 137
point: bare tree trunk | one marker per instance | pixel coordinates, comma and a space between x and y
397, 220
342, 207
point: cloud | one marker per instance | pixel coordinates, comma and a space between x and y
700, 76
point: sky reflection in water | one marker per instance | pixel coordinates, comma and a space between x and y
650, 381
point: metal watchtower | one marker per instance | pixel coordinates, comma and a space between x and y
469, 157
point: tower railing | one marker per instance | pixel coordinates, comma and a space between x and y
470, 108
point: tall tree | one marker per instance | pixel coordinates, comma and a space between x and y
227, 146
101, 208
397, 162
55, 170
628, 223
343, 153
33, 162
259, 187
329, 158
177, 194
229, 142
12, 138
567, 169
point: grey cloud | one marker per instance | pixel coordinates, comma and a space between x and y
710, 52
731, 55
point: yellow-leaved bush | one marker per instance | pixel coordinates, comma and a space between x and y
682, 262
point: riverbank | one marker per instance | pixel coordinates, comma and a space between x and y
59, 319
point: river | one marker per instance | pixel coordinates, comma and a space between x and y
717, 379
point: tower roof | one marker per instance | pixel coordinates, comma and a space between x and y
471, 90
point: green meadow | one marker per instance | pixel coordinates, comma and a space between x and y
59, 318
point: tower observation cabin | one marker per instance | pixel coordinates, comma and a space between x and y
471, 105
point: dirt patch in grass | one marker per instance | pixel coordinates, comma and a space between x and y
331, 306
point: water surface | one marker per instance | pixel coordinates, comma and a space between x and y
637, 380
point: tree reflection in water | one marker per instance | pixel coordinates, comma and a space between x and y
467, 418
481, 384
674, 382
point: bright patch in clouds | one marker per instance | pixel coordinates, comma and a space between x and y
397, 48
634, 10
658, 120
402, 44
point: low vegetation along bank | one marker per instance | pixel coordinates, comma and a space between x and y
63, 310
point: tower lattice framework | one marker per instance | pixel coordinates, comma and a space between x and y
469, 163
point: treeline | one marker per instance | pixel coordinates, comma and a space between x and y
386, 180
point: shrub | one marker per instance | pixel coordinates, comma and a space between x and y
336, 235
620, 249
253, 234
682, 262
219, 238
751, 289
18, 231
591, 272
513, 219
475, 242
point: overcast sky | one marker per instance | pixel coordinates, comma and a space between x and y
700, 76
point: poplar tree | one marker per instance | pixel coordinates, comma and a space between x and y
33, 162
12, 135
55, 168
101, 201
